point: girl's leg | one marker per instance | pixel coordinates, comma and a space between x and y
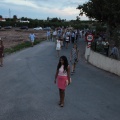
32, 44
60, 97
74, 66
1, 62
57, 53
67, 45
62, 92
72, 69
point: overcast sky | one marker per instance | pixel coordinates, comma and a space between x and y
41, 9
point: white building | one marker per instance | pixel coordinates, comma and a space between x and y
24, 21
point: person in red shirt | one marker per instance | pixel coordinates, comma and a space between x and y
1, 52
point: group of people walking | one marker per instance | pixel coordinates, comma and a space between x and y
63, 39
64, 69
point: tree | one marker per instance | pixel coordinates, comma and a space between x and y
14, 18
77, 18
102, 10
105, 11
54, 19
48, 18
24, 18
0, 16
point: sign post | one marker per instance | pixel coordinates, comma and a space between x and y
89, 39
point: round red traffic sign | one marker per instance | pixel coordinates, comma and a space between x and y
89, 37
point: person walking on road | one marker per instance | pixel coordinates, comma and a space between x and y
48, 35
115, 52
106, 47
58, 46
74, 58
67, 39
73, 37
1, 53
54, 35
62, 77
32, 38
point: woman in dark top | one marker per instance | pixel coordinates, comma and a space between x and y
1, 52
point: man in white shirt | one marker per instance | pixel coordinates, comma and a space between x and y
54, 35
48, 35
32, 38
106, 47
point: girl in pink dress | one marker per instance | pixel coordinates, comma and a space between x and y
62, 75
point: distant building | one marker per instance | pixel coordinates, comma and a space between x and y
23, 21
2, 19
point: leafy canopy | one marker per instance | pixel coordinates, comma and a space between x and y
102, 10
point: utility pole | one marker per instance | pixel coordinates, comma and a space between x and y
9, 13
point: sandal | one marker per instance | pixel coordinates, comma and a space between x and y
61, 105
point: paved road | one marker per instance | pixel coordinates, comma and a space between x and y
27, 91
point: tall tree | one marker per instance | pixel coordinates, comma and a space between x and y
14, 18
77, 18
102, 10
0, 16
106, 11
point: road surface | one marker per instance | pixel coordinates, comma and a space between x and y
28, 92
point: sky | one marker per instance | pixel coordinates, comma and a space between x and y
41, 9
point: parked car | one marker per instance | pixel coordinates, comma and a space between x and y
24, 27
38, 28
7, 27
47, 28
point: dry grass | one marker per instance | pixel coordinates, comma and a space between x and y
14, 37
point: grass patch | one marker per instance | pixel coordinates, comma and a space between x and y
21, 46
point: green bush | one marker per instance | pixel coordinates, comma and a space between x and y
98, 48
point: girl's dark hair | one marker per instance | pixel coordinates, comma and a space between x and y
65, 63
76, 46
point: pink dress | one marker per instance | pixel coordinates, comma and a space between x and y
61, 78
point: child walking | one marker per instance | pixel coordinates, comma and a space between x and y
74, 57
58, 46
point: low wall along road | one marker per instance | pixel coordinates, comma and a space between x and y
103, 62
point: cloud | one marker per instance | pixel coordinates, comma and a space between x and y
22, 3
65, 9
